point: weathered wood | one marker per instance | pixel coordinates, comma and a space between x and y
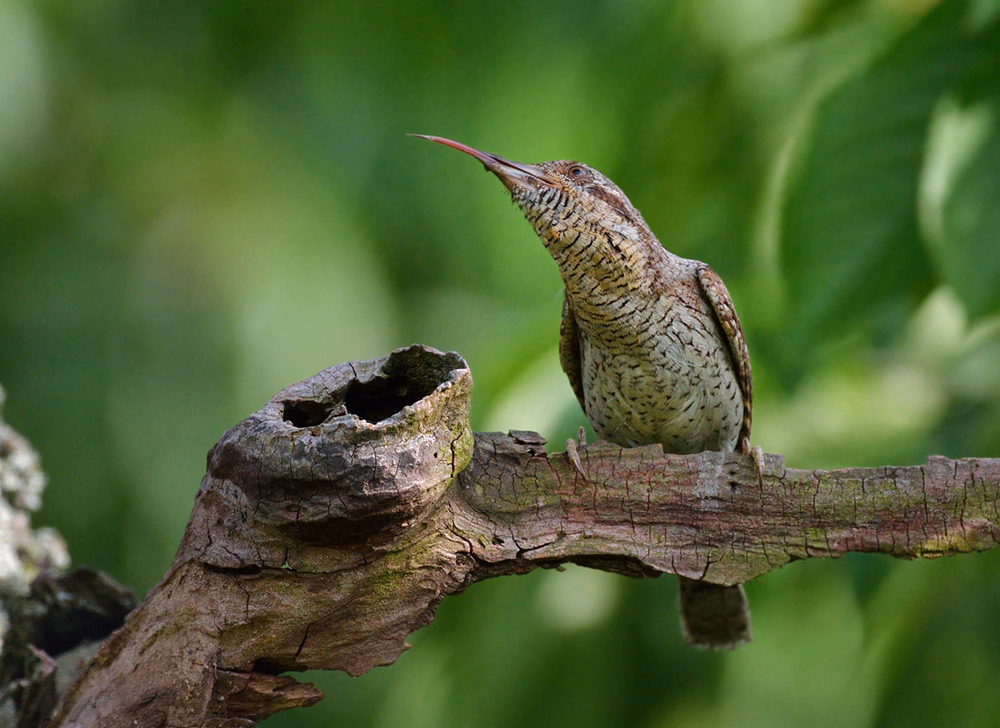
705, 516
331, 523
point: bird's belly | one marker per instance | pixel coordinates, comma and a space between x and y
640, 400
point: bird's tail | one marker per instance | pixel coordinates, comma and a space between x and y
713, 616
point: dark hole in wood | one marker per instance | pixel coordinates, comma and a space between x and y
305, 412
272, 667
382, 397
407, 376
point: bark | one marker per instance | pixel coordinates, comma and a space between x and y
332, 522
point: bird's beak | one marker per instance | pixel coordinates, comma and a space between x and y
509, 172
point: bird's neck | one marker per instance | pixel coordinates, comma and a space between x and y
601, 261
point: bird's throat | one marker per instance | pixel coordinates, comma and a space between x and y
592, 258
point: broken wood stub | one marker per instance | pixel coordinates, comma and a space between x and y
308, 548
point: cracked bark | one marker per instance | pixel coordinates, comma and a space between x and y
332, 522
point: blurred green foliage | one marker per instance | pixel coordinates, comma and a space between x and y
203, 202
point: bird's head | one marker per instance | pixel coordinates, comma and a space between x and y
573, 208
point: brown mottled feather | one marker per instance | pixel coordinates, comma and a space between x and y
569, 350
729, 323
642, 338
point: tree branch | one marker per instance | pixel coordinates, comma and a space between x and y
332, 522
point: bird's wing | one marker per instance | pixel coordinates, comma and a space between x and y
717, 295
569, 350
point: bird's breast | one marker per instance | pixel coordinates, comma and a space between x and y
663, 376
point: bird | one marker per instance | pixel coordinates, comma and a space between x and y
650, 341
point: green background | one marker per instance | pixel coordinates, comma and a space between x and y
203, 202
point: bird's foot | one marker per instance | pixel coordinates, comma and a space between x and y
757, 455
573, 450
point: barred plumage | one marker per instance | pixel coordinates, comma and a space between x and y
650, 341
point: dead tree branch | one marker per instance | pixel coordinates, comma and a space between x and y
332, 522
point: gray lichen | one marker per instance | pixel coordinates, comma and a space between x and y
24, 552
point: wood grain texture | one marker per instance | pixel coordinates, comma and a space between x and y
320, 539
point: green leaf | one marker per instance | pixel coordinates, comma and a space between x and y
970, 250
851, 249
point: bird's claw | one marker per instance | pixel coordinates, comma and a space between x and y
573, 450
758, 462
757, 455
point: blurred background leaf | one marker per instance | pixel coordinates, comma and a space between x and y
201, 203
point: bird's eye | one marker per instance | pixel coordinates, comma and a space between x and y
577, 171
